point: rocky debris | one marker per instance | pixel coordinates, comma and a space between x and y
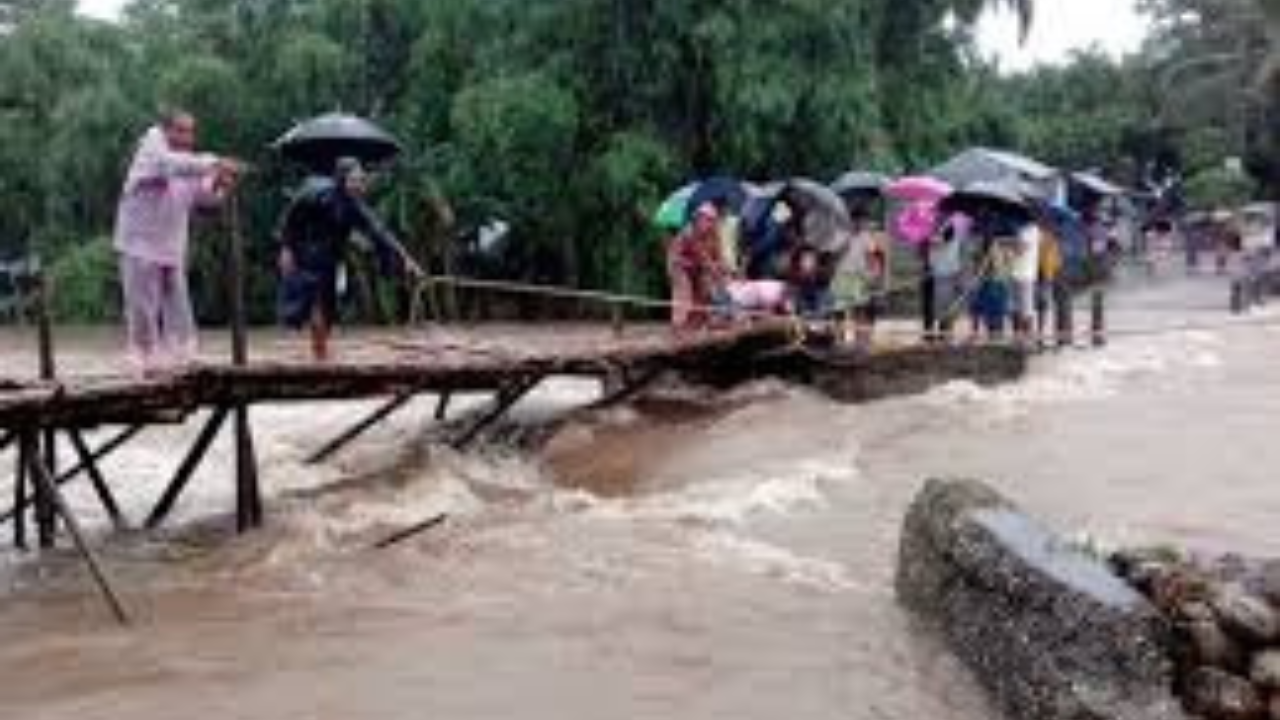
1265, 671
1245, 616
1212, 646
1216, 694
1048, 630
1225, 614
1269, 581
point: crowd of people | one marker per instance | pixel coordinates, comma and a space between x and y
723, 268
996, 274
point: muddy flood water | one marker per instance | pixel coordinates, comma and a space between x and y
691, 556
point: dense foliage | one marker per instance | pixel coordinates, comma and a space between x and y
570, 119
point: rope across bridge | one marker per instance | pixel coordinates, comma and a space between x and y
426, 283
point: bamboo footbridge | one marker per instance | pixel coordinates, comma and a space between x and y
40, 417
367, 368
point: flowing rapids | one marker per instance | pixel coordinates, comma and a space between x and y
691, 556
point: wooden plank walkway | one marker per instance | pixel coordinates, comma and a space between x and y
369, 368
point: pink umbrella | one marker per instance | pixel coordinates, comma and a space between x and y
918, 188
916, 223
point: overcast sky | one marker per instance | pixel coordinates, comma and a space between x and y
1060, 26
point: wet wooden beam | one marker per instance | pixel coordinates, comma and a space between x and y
506, 398
409, 532
118, 401
188, 467
102, 452
98, 481
249, 514
43, 479
125, 401
98, 455
20, 494
349, 435
442, 406
46, 512
628, 386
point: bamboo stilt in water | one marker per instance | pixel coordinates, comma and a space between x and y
99, 482
20, 493
187, 469
411, 531
46, 513
248, 492
506, 398
349, 435
43, 479
442, 406
102, 452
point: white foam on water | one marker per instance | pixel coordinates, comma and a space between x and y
756, 557
386, 480
720, 502
1086, 376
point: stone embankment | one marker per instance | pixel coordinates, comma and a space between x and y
1048, 629
1225, 616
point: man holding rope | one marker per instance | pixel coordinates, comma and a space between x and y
167, 179
313, 237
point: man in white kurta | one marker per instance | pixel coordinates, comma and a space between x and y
166, 181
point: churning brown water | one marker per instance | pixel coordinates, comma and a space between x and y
697, 557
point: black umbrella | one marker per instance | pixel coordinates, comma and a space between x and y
859, 183
722, 191
981, 199
319, 142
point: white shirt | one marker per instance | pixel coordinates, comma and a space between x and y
944, 257
162, 187
1026, 263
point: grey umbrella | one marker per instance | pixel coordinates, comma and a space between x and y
317, 143
984, 165
859, 183
827, 226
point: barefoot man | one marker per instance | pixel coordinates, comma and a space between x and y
313, 237
166, 180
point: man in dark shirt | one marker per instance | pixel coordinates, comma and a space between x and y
314, 235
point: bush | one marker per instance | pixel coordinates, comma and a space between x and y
1218, 188
84, 284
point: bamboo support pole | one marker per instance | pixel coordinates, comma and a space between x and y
349, 435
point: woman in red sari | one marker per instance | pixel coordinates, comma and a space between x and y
696, 272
